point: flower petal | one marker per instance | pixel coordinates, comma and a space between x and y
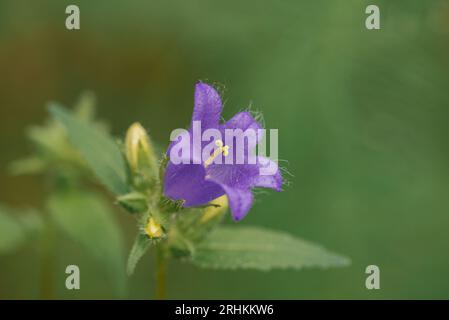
187, 182
237, 176
269, 175
264, 174
241, 134
182, 140
240, 201
243, 120
208, 106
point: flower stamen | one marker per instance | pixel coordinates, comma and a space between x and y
220, 149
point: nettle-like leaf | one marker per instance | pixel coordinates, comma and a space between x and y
88, 220
98, 149
261, 249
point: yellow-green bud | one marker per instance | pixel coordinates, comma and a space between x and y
139, 150
153, 229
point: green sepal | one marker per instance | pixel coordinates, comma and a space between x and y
140, 246
169, 206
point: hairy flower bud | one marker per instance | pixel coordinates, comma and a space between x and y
153, 229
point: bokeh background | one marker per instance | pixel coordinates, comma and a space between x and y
362, 118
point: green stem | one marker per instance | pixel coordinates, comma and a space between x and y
161, 273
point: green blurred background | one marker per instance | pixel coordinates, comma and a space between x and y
362, 117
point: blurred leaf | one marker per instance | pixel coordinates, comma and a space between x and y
31, 221
85, 107
16, 225
140, 246
12, 234
30, 165
51, 144
99, 150
262, 249
87, 219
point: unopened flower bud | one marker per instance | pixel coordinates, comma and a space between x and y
139, 150
153, 229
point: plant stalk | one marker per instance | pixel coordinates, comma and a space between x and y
161, 273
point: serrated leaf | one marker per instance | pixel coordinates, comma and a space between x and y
140, 246
261, 249
87, 219
12, 234
100, 151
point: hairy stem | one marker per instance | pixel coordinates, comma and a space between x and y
161, 273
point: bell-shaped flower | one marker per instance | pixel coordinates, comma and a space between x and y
199, 172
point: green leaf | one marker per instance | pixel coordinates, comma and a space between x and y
262, 249
98, 149
140, 246
12, 234
30, 165
85, 107
134, 202
87, 219
31, 221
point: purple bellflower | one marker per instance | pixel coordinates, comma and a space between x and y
201, 181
